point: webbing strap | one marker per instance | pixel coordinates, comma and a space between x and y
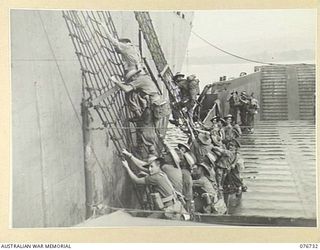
169, 198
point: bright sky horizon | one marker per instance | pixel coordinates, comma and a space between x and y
268, 34
232, 26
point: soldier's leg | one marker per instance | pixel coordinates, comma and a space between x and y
250, 118
176, 212
135, 103
146, 134
243, 116
252, 123
235, 114
232, 111
219, 177
176, 115
190, 107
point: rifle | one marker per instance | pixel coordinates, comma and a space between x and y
209, 113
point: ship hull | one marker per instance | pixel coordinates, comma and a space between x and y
50, 163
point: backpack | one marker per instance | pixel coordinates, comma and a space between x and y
193, 85
161, 109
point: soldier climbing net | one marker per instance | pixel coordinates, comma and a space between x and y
150, 36
99, 61
163, 68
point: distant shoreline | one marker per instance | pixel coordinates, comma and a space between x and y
209, 73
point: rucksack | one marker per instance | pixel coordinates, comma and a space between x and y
193, 85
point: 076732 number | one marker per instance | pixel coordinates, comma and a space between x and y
309, 246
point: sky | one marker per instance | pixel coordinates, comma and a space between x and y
233, 26
272, 35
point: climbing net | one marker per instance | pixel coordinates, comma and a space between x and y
151, 38
98, 62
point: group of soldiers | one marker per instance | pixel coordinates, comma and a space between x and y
194, 176
247, 106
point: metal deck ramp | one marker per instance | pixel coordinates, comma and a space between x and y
280, 170
274, 97
288, 92
280, 174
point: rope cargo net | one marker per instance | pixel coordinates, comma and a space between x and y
150, 36
98, 62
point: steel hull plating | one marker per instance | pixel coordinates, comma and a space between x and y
48, 173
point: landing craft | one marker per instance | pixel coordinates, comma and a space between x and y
76, 152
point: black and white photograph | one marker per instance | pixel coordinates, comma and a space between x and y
163, 118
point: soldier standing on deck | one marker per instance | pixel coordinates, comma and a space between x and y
233, 182
253, 108
226, 166
207, 198
187, 161
231, 130
170, 166
234, 105
244, 102
216, 133
201, 145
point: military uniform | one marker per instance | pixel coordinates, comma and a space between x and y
187, 184
171, 206
204, 183
223, 165
189, 89
187, 161
201, 146
160, 184
231, 132
252, 109
140, 101
130, 55
228, 170
234, 103
232, 108
207, 199
175, 176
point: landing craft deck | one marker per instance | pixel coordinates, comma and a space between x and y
280, 184
299, 177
